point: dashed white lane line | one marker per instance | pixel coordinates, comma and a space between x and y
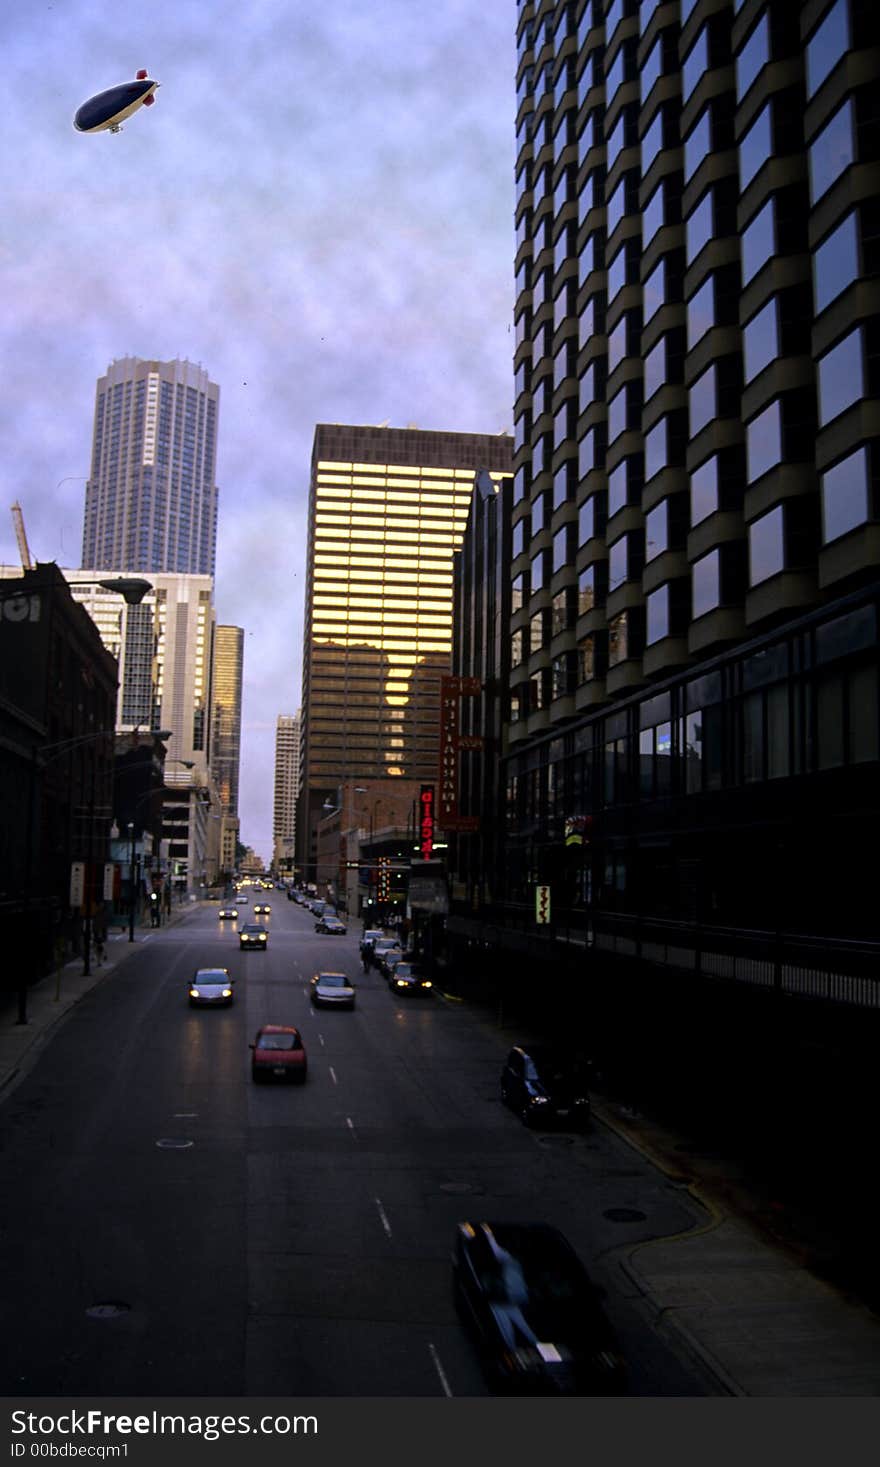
333, 1076
350, 1123
383, 1217
447, 1390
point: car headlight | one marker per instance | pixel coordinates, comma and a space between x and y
194, 993
426, 983
227, 993
537, 1100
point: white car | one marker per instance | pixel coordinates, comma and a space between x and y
332, 990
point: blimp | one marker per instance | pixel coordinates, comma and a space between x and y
107, 111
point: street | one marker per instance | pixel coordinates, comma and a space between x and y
174, 1229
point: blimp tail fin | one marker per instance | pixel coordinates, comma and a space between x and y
141, 75
148, 101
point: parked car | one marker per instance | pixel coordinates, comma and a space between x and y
292, 896
388, 960
331, 925
534, 1312
278, 1053
546, 1083
251, 935
228, 911
316, 906
406, 978
381, 946
211, 986
332, 990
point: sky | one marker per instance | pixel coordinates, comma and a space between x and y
318, 209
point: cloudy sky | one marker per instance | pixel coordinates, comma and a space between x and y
318, 209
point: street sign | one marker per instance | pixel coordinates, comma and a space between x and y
542, 904
109, 872
77, 883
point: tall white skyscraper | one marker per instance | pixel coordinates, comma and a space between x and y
287, 780
151, 499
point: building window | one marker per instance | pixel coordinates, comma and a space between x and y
758, 242
586, 659
654, 291
518, 539
652, 142
618, 486
695, 64
698, 144
706, 583
562, 485
652, 69
836, 262
617, 274
764, 441
766, 546
845, 496
618, 639
538, 514
761, 340
561, 549
587, 520
701, 312
536, 632
617, 343
704, 491
753, 57
827, 45
537, 572
841, 377
699, 227
587, 591
657, 605
587, 453
618, 413
653, 215
560, 617
656, 449
516, 648
702, 401
755, 147
517, 594
655, 369
833, 151
618, 559
657, 530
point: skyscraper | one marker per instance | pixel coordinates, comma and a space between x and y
225, 754
151, 499
387, 508
287, 777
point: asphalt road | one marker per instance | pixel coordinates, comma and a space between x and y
172, 1229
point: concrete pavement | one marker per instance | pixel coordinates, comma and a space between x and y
736, 1299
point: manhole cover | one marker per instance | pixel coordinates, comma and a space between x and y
556, 1140
108, 1310
624, 1214
459, 1188
169, 1143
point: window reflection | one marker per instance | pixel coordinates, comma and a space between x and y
758, 242
841, 378
657, 608
836, 262
706, 583
833, 151
756, 147
754, 55
845, 503
766, 546
827, 46
764, 441
761, 340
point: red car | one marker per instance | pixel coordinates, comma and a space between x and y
278, 1053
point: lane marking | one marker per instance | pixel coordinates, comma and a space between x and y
321, 1038
333, 1076
383, 1216
350, 1123
439, 1369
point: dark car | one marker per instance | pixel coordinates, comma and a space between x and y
381, 951
407, 978
527, 1299
262, 909
252, 936
211, 986
331, 925
228, 911
546, 1084
278, 1053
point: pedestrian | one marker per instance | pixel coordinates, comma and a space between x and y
100, 949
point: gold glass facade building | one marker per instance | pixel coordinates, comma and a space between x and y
387, 509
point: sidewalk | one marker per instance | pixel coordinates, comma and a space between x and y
49, 1000
745, 1305
737, 1300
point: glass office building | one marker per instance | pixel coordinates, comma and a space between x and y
695, 509
387, 509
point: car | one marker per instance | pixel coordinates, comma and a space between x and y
370, 936
381, 946
316, 906
278, 1053
406, 978
386, 958
252, 936
242, 899
292, 896
262, 909
536, 1315
211, 986
231, 912
546, 1083
332, 926
332, 990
